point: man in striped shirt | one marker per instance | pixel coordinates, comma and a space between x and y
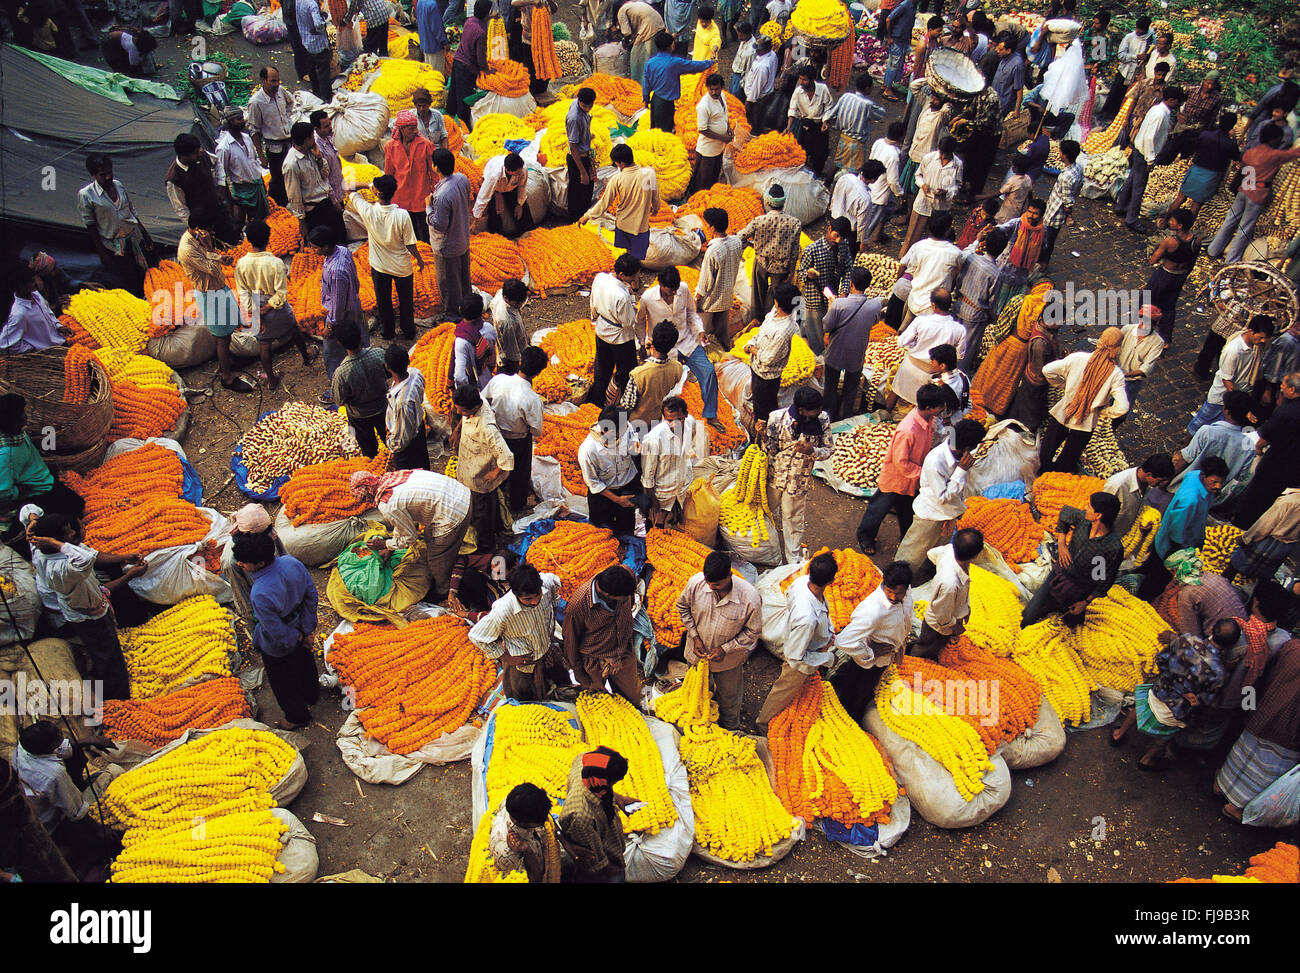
519, 629
853, 118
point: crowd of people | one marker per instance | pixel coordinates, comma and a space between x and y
978, 322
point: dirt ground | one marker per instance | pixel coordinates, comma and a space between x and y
1091, 816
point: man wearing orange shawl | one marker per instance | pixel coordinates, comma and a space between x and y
996, 381
1028, 233
1092, 386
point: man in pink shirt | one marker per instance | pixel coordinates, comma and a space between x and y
900, 475
408, 157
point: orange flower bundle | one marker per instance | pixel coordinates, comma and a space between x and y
1008, 525
286, 237
572, 350
76, 374
304, 290
456, 132
1279, 865
472, 171
1019, 694
775, 150
413, 684
719, 442
159, 721
621, 94
432, 356
562, 255
561, 436
684, 118
508, 78
128, 478
741, 203
676, 557
1052, 491
575, 552
168, 279
856, 578
140, 412
826, 765
881, 332
80, 336
319, 494
545, 64
493, 260
149, 525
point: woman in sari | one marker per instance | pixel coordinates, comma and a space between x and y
996, 381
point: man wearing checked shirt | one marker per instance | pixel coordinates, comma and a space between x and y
662, 85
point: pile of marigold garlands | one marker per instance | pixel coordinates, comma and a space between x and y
561, 436
432, 356
415, 683
611, 721
575, 552
202, 812
162, 719
774, 150
564, 255
1007, 525
1280, 865
319, 494
676, 557
572, 350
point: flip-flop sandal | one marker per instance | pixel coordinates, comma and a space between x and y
237, 385
1160, 763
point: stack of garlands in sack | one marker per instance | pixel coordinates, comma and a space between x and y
415, 683
192, 640
741, 203
855, 578
799, 366
1052, 491
1007, 525
995, 612
561, 436
399, 79
571, 348
319, 494
134, 503
773, 150
575, 552
676, 557
826, 765
720, 443
622, 94
202, 812
432, 356
157, 722
293, 436
564, 255
611, 721
508, 78
744, 508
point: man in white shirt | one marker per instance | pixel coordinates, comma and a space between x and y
668, 456
502, 205
392, 249
715, 133
809, 636
759, 84
886, 190
1147, 144
921, 336
1130, 488
678, 307
31, 325
938, 178
518, 411
1132, 49
506, 312
519, 629
270, 116
404, 412
941, 499
1162, 53
851, 199
613, 490
769, 351
812, 105
1238, 367
949, 605
613, 313
40, 763
932, 262
874, 638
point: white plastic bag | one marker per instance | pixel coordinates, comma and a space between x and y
538, 192
187, 346
806, 197
1040, 744
175, 573
659, 857
559, 179
763, 179
1013, 456
304, 103
669, 248
360, 120
773, 602
495, 104
316, 545
1277, 805
24, 604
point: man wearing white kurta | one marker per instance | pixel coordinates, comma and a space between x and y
809, 637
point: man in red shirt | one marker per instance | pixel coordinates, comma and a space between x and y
1258, 167
409, 159
900, 476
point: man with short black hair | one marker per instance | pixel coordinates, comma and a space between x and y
449, 216
1086, 562
517, 632
580, 162
715, 132
316, 42
1130, 488
360, 384
1182, 525
218, 307
483, 462
650, 383
518, 411
875, 637
812, 106
191, 183
949, 606
404, 414
636, 190
506, 312
662, 84
722, 618
598, 635
809, 636
759, 86
613, 488
716, 289
848, 326
613, 313
940, 499
340, 296
502, 202
323, 127
306, 184
520, 840
769, 350
1148, 143
854, 115
669, 452
269, 117
823, 266
391, 240
262, 286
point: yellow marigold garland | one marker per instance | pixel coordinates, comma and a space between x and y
798, 368
995, 612
744, 507
191, 640
822, 18
664, 153
1140, 537
1221, 541
492, 131
690, 704
115, 318
1044, 651
611, 721
1118, 640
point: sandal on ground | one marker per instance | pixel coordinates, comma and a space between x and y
290, 727
237, 384
273, 382
1157, 765
1233, 815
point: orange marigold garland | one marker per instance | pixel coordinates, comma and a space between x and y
732, 437
622, 94
572, 350
508, 78
1008, 525
319, 494
561, 436
432, 356
168, 279
146, 526
472, 171
741, 203
162, 719
493, 260
456, 132
1052, 491
856, 578
545, 64
76, 374
141, 413
676, 557
286, 237
575, 552
80, 336
413, 684
150, 470
775, 150
563, 255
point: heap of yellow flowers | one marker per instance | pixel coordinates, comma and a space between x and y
948, 739
822, 18
773, 150
676, 557
563, 255
1044, 651
491, 132
572, 350
530, 744
415, 683
772, 29
611, 721
555, 144
1052, 491
188, 642
798, 367
826, 765
362, 174
690, 704
202, 812
1140, 537
126, 366
1118, 640
1220, 542
398, 80
744, 508
114, 318
856, 578
575, 552
665, 153
994, 612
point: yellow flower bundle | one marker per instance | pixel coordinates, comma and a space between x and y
491, 132
141, 412
685, 122
555, 143
611, 721
126, 366
572, 350
1044, 651
676, 557
473, 171
773, 30
963, 694
690, 704
242, 847
362, 174
738, 816
774, 150
191, 640
744, 507
575, 552
508, 78
798, 368
493, 260
741, 203
415, 683
399, 78
1220, 542
994, 612
319, 494
1008, 525
165, 287
1137, 542
1118, 640
1100, 140
162, 719
856, 578
826, 765
622, 94
1052, 491
948, 739
76, 374
115, 318
432, 356
665, 153
563, 255
731, 436
822, 18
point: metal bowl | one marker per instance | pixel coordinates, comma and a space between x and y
953, 74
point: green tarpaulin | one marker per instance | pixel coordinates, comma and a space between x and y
106, 83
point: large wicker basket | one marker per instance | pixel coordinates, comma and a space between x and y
38, 377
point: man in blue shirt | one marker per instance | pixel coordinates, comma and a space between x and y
433, 36
580, 161
284, 611
662, 85
1183, 525
311, 25
899, 25
1009, 79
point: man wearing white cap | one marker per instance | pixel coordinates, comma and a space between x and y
251, 518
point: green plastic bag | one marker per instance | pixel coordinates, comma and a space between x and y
365, 573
